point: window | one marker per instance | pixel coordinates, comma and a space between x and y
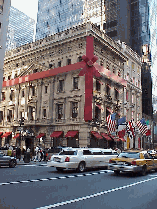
23, 93
75, 82
50, 65
98, 153
87, 152
127, 95
3, 78
9, 115
138, 83
79, 59
68, 61
11, 95
116, 94
9, 77
44, 113
97, 113
33, 90
132, 65
17, 64
61, 86
132, 98
35, 70
59, 111
113, 70
46, 87
59, 64
1, 116
3, 96
107, 89
98, 86
74, 109
31, 113
119, 74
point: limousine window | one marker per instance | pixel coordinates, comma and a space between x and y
68, 152
87, 152
108, 153
98, 153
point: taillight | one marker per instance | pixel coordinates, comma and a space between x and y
50, 158
67, 159
133, 162
110, 161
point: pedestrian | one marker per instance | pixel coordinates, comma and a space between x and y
41, 154
18, 153
36, 153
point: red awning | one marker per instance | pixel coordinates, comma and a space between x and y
71, 133
16, 136
6, 134
96, 134
122, 139
40, 135
1, 133
56, 134
106, 136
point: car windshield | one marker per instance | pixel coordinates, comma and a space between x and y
129, 155
68, 152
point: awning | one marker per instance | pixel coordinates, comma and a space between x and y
71, 133
106, 136
6, 134
1, 133
122, 139
40, 135
56, 134
16, 136
96, 134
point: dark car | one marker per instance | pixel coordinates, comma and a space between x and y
7, 161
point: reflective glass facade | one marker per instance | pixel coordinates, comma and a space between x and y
55, 16
20, 29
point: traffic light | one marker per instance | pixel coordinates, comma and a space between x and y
22, 121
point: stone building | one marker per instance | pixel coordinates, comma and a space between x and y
52, 101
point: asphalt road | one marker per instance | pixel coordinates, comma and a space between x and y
34, 186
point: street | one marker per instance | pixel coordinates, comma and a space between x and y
38, 186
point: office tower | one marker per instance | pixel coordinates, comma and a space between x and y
20, 29
4, 14
56, 16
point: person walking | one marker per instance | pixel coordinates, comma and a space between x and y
18, 153
36, 154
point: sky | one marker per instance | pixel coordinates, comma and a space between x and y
29, 7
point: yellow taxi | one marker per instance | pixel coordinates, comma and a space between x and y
133, 161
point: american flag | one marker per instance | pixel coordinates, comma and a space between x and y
111, 124
142, 126
130, 129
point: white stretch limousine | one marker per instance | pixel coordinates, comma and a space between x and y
81, 158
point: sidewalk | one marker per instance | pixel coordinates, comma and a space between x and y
21, 162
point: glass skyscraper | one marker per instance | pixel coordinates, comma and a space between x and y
20, 29
56, 16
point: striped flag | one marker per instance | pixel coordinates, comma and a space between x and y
111, 124
142, 126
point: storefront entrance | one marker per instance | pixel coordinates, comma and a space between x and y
29, 143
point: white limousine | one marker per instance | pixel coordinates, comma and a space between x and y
81, 158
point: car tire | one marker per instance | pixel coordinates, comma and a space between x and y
81, 167
12, 164
117, 172
144, 170
59, 169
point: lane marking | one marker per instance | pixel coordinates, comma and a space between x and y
54, 178
96, 194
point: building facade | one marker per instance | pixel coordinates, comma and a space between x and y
53, 107
4, 15
20, 29
59, 15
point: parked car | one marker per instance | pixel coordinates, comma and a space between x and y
133, 162
7, 161
81, 158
